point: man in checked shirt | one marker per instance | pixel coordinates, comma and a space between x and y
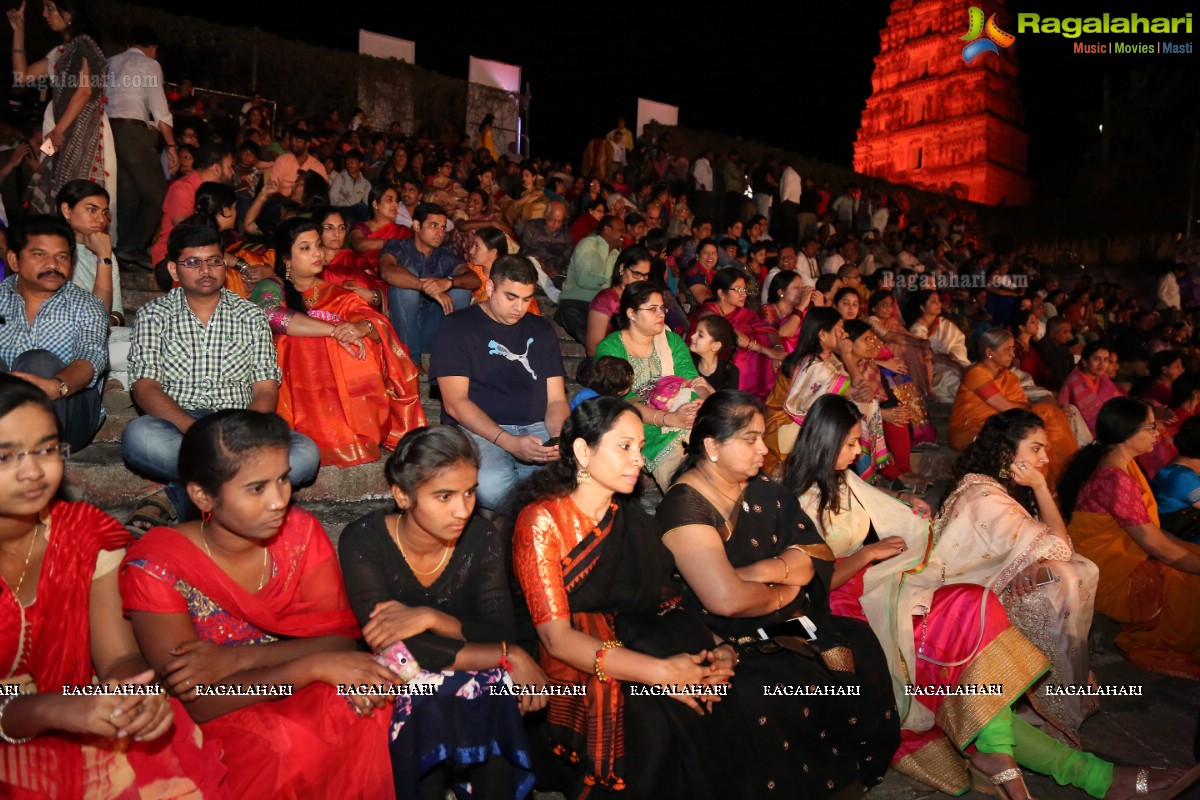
53, 333
197, 350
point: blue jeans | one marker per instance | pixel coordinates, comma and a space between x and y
417, 318
150, 446
81, 414
499, 470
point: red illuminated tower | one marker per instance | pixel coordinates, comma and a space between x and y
935, 122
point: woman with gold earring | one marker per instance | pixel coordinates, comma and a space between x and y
252, 596
430, 579
599, 587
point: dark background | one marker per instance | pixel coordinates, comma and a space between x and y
790, 74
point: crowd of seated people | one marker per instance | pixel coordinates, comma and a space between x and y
519, 617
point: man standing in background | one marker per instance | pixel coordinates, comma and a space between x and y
138, 112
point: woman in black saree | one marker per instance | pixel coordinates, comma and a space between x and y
757, 566
599, 587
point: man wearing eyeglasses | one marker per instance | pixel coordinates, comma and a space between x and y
197, 350
53, 333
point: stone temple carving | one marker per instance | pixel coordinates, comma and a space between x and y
935, 122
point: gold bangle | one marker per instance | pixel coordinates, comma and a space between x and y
779, 594
786, 571
598, 667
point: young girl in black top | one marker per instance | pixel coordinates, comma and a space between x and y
712, 351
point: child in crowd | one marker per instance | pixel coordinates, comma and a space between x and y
712, 350
611, 377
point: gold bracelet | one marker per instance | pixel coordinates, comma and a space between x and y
786, 571
737, 657
598, 667
779, 594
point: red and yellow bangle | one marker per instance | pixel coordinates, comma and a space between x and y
599, 665
505, 664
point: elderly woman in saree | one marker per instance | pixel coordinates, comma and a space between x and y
74, 125
932, 599
989, 387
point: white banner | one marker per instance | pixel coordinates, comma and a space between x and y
496, 74
650, 111
381, 46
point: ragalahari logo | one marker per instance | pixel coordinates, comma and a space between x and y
994, 36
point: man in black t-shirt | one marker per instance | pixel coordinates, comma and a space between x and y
501, 377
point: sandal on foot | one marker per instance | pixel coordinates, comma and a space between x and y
139, 523
991, 785
1142, 784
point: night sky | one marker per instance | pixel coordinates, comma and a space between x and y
792, 74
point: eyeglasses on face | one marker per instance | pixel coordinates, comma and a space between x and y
654, 309
58, 451
739, 289
641, 276
197, 263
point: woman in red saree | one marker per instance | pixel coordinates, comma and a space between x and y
368, 238
345, 266
758, 350
348, 381
252, 596
787, 300
61, 625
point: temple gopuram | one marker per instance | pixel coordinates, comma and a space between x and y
936, 122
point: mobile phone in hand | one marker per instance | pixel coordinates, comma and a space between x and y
551, 442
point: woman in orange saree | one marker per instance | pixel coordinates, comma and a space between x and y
348, 381
989, 387
1149, 579
251, 598
61, 626
368, 238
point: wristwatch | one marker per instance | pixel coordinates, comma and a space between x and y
105, 261
63, 389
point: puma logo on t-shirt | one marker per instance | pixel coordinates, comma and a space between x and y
497, 349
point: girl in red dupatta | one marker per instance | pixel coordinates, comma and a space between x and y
599, 588
345, 266
759, 350
61, 625
252, 595
348, 381
368, 238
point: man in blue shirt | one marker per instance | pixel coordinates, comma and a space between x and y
53, 333
427, 282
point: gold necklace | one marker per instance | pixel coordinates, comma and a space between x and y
204, 540
28, 556
396, 537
